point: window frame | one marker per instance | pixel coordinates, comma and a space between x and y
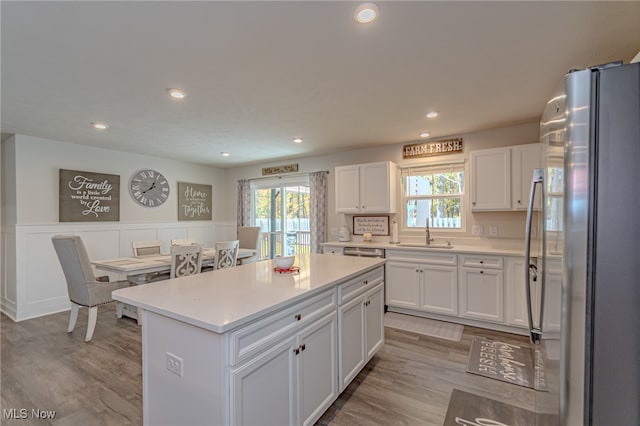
433, 169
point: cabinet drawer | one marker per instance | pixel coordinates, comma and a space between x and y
355, 286
423, 256
256, 337
333, 250
493, 262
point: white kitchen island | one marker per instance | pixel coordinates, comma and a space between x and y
248, 345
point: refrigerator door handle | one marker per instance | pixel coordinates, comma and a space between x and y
531, 270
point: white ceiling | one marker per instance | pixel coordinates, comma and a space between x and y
258, 74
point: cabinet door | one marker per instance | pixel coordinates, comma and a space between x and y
347, 189
402, 282
374, 320
351, 335
318, 368
439, 289
524, 160
491, 179
263, 391
515, 292
552, 298
482, 294
377, 188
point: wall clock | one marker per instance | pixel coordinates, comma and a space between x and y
149, 188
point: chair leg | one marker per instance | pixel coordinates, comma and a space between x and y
119, 307
73, 317
93, 316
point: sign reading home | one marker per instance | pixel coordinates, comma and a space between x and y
194, 201
276, 170
429, 149
88, 197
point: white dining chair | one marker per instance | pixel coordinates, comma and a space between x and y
84, 288
150, 248
186, 260
226, 254
248, 237
183, 242
146, 248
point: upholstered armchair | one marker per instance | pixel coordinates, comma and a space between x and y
248, 237
85, 289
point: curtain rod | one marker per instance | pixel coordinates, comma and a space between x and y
287, 175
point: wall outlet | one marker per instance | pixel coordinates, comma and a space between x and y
174, 364
476, 230
493, 231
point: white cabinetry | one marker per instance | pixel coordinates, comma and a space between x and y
491, 179
515, 292
481, 288
333, 250
294, 381
524, 160
366, 188
422, 281
501, 177
361, 331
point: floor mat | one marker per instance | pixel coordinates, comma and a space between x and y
507, 362
426, 326
470, 409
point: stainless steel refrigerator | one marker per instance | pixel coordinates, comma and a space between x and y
584, 218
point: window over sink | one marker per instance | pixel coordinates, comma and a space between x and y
433, 192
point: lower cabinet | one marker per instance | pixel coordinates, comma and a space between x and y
361, 332
292, 383
481, 294
291, 367
515, 292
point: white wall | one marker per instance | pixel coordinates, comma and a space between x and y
511, 224
33, 283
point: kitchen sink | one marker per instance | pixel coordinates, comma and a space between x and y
433, 246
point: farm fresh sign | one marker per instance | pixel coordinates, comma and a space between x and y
429, 149
88, 197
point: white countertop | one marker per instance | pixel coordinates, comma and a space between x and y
228, 298
498, 248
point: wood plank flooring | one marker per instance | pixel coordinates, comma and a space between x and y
42, 367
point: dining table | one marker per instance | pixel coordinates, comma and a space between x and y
138, 269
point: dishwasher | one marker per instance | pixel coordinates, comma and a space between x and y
363, 252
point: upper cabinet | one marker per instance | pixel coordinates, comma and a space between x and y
366, 188
501, 177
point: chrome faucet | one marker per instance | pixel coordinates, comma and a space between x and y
428, 235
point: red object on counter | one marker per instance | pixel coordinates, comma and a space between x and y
291, 270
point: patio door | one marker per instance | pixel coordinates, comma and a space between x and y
281, 208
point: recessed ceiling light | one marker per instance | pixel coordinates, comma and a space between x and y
297, 140
176, 93
98, 125
224, 154
425, 134
432, 114
366, 13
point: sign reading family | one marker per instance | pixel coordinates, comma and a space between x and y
88, 197
194, 201
429, 149
288, 168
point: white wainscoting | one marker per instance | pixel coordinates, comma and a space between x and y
33, 281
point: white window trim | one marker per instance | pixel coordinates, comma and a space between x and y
463, 198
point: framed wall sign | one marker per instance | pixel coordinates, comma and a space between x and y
429, 149
375, 225
88, 197
194, 201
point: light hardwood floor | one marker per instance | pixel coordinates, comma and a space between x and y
42, 367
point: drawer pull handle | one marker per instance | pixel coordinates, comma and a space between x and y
298, 317
296, 350
366, 282
303, 347
481, 262
482, 272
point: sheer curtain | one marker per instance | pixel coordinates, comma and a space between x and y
318, 209
244, 203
